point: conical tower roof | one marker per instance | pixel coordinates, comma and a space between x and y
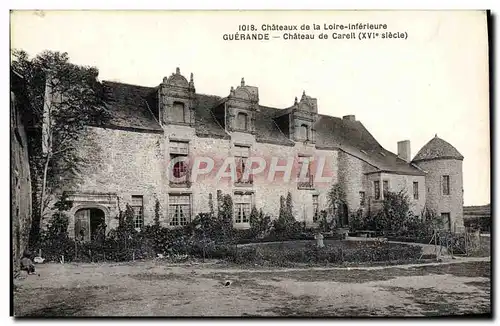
437, 148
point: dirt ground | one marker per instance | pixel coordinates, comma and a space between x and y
155, 288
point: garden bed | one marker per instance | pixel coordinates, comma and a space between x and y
335, 252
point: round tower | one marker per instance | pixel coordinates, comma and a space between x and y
443, 182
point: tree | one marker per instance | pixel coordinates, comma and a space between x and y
289, 208
157, 213
336, 200
211, 205
395, 211
64, 98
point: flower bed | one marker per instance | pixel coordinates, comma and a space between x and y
335, 252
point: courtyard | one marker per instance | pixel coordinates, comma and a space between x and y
156, 288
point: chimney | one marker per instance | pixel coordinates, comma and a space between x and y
349, 117
404, 150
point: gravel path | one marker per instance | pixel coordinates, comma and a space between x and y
154, 288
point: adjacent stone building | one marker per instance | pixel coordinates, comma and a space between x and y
156, 146
20, 182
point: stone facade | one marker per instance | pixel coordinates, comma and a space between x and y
440, 202
20, 175
131, 160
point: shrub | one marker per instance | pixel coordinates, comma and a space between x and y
260, 224
55, 242
284, 255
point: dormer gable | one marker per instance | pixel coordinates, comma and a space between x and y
241, 106
298, 120
177, 99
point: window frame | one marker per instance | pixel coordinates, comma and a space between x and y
304, 132
242, 208
376, 190
138, 211
416, 194
175, 104
315, 205
445, 187
244, 116
175, 207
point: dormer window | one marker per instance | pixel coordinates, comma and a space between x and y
242, 121
178, 112
304, 132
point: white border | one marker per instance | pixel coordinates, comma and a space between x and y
199, 4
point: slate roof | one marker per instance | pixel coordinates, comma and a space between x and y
130, 106
437, 148
136, 107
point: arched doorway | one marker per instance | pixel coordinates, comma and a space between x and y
343, 215
89, 224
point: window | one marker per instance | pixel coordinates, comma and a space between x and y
241, 159
376, 185
315, 208
180, 170
304, 132
242, 121
361, 198
242, 208
305, 178
180, 209
415, 190
386, 187
446, 184
178, 112
445, 218
138, 207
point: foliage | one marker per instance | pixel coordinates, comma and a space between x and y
358, 222
285, 226
285, 254
55, 242
62, 98
225, 216
395, 211
157, 213
323, 223
63, 204
211, 205
336, 199
260, 224
482, 223
396, 220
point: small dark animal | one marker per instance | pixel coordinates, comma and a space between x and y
26, 264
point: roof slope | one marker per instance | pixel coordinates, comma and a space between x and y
484, 210
129, 106
437, 148
136, 107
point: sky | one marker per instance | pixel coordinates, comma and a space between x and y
433, 82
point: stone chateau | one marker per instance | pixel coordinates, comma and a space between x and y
150, 126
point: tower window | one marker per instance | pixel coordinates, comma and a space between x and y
446, 184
